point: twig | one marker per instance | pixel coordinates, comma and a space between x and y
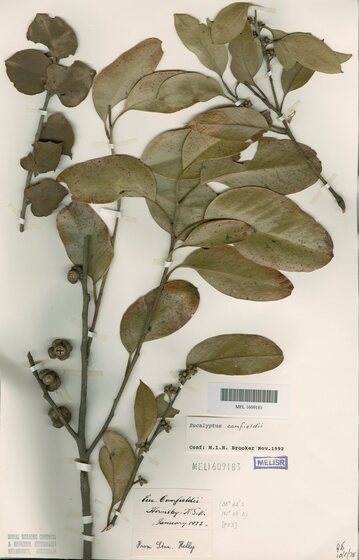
29, 176
51, 402
85, 330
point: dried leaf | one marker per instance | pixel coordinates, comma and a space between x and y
117, 461
286, 237
199, 147
71, 83
27, 70
178, 302
295, 78
234, 275
235, 354
229, 22
74, 223
164, 409
58, 129
230, 123
114, 82
277, 165
247, 55
164, 156
45, 196
342, 57
145, 412
53, 32
218, 232
197, 38
44, 158
143, 96
177, 92
105, 179
310, 52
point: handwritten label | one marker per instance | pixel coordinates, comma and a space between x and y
215, 435
175, 523
233, 512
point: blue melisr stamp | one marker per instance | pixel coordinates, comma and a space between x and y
271, 462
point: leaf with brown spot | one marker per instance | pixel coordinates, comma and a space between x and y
53, 32
44, 158
74, 223
218, 232
235, 354
230, 123
58, 129
27, 70
229, 272
285, 237
145, 412
117, 462
178, 303
276, 165
114, 83
105, 179
71, 83
45, 196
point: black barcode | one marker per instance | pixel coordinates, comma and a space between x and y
249, 395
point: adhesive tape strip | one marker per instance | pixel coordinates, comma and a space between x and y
86, 467
43, 112
167, 264
116, 512
111, 146
21, 221
87, 519
91, 334
89, 538
36, 367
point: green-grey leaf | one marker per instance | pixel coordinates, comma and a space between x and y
177, 92
164, 409
178, 302
44, 158
74, 223
45, 196
145, 412
197, 38
286, 237
71, 83
105, 179
277, 165
144, 94
53, 32
342, 57
117, 461
114, 82
200, 147
235, 354
295, 78
229, 22
230, 123
58, 129
247, 55
164, 156
27, 70
310, 52
218, 232
234, 275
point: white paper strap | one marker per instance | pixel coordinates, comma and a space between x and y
86, 467
36, 367
118, 214
91, 334
290, 112
111, 146
21, 221
116, 512
160, 262
43, 112
167, 264
89, 538
86, 519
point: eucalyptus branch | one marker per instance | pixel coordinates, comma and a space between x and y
51, 402
29, 176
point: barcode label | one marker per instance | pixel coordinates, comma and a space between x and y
249, 395
249, 399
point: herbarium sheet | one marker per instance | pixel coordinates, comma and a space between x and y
252, 466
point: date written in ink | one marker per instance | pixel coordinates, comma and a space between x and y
344, 551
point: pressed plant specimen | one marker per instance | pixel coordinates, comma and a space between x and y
244, 236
